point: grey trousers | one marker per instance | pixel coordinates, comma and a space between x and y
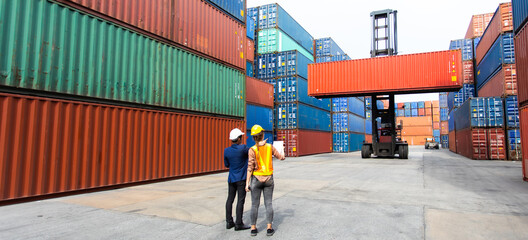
257, 188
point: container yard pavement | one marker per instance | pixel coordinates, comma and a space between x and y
433, 195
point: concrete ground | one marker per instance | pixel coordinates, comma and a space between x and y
433, 195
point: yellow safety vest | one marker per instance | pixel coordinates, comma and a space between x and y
263, 158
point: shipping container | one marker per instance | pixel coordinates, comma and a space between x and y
252, 13
473, 143
295, 89
97, 59
416, 140
332, 58
436, 133
283, 64
466, 45
262, 116
353, 105
452, 142
456, 99
514, 145
421, 112
511, 112
501, 22
400, 105
443, 100
421, 104
393, 74
400, 113
347, 142
503, 83
472, 114
497, 144
468, 72
274, 16
250, 28
267, 135
415, 121
520, 13
235, 8
444, 141
249, 70
524, 138
274, 40
347, 122
368, 126
304, 142
368, 138
414, 112
444, 128
259, 92
266, 66
302, 116
494, 112
436, 124
250, 50
478, 25
521, 56
417, 131
55, 146
408, 113
501, 52
192, 23
327, 47
444, 114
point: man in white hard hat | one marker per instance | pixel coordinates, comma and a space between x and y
236, 159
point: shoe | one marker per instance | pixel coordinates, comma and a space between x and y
230, 225
254, 232
270, 232
241, 227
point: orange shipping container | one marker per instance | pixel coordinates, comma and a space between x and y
501, 22
250, 50
423, 72
428, 104
436, 118
504, 83
444, 128
436, 125
259, 92
421, 112
521, 63
429, 112
55, 146
415, 121
452, 142
416, 140
368, 138
436, 104
478, 24
417, 131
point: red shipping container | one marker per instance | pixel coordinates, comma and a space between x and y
55, 146
452, 142
501, 22
194, 24
423, 72
259, 92
368, 138
473, 143
444, 128
478, 24
468, 72
304, 142
250, 50
436, 125
504, 83
400, 105
497, 144
521, 61
523, 114
421, 112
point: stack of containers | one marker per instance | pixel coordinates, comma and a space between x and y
520, 25
420, 120
496, 72
436, 120
133, 99
479, 129
444, 117
284, 50
348, 114
259, 108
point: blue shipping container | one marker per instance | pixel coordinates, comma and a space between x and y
347, 122
327, 47
476, 41
444, 114
414, 105
451, 120
514, 140
267, 66
332, 58
302, 116
421, 104
437, 139
368, 103
443, 100
347, 142
501, 52
444, 140
292, 63
253, 14
414, 112
456, 99
436, 133
259, 115
494, 112
274, 16
295, 89
235, 8
249, 69
466, 45
408, 113
511, 112
480, 113
267, 135
520, 14
250, 28
401, 113
368, 126
352, 105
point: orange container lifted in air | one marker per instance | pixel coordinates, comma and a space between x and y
413, 73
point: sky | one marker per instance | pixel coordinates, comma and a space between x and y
423, 25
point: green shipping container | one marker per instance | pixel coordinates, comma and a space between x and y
273, 40
48, 47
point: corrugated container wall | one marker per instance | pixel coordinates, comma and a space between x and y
520, 13
273, 40
421, 72
473, 143
511, 112
466, 45
235, 8
521, 57
289, 63
503, 83
501, 22
502, 52
259, 115
190, 23
251, 142
54, 146
524, 139
353, 105
472, 114
347, 142
302, 116
327, 47
259, 92
456, 99
102, 60
478, 25
295, 89
452, 141
497, 144
303, 142
332, 58
514, 145
274, 16
251, 28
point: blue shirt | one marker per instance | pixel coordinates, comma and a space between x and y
236, 159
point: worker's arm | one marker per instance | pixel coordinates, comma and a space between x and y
277, 154
251, 167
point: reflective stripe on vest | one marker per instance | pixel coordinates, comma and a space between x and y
264, 161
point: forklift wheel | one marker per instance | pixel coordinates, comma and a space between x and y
365, 151
403, 151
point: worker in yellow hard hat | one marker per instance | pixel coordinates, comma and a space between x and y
260, 177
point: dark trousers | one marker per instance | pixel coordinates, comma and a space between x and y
234, 188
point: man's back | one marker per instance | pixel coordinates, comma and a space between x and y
236, 159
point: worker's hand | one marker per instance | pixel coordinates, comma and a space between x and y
248, 188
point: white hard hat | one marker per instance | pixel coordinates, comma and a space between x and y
234, 134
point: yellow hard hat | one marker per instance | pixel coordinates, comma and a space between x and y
256, 129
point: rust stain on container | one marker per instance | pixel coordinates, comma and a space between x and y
521, 61
434, 71
53, 146
504, 83
501, 22
259, 92
478, 25
192, 23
